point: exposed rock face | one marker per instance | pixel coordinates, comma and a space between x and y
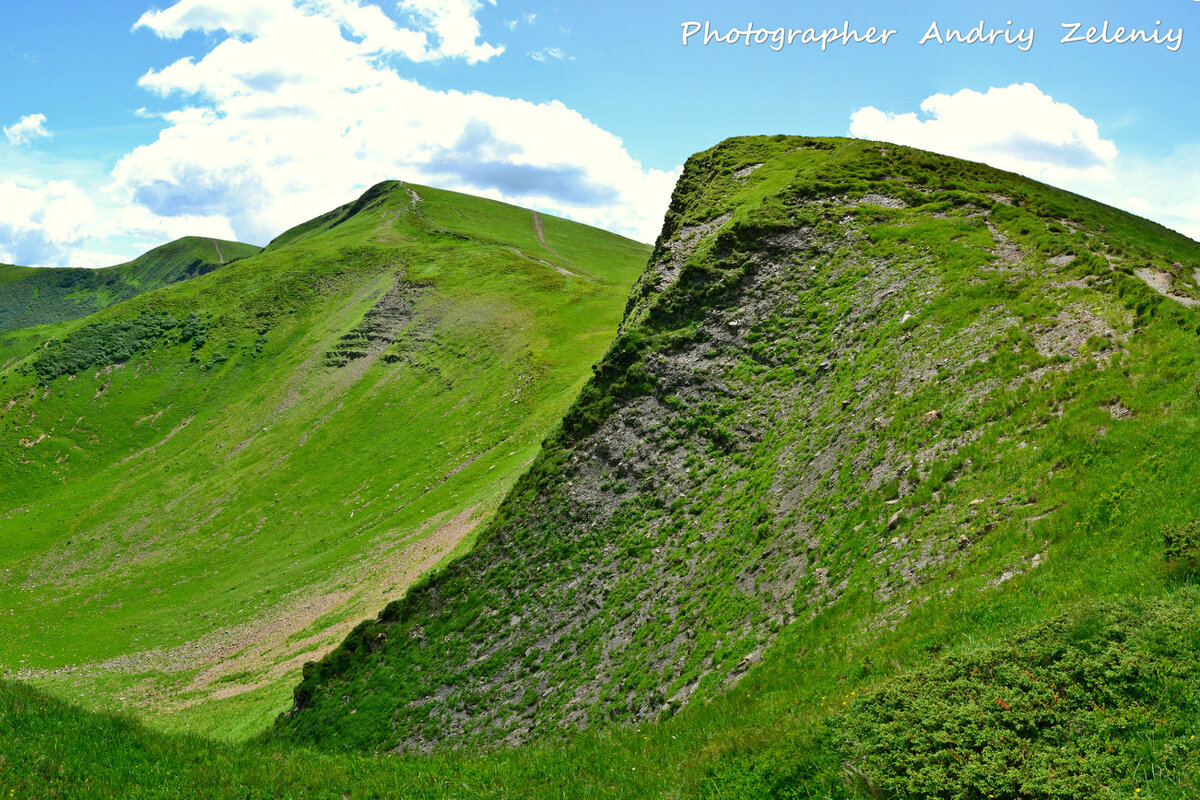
824, 326
380, 327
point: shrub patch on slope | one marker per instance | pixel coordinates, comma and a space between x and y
1101, 701
114, 342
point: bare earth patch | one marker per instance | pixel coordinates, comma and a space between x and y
1161, 282
245, 657
746, 171
1006, 252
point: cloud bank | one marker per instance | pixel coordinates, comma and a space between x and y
42, 224
299, 107
1021, 129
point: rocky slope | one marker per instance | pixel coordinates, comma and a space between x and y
856, 382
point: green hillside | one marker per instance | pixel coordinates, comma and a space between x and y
886, 488
208, 484
38, 296
772, 739
868, 404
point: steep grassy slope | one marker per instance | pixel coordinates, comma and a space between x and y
742, 745
206, 485
1010, 415
868, 404
35, 296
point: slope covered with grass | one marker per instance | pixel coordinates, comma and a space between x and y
868, 404
206, 485
1123, 723
38, 296
886, 488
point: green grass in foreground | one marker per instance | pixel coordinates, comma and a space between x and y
1099, 701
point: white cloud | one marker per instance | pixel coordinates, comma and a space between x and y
42, 224
1018, 128
57, 224
452, 22
1165, 188
28, 128
1021, 129
93, 259
455, 24
293, 113
547, 53
141, 223
513, 24
209, 16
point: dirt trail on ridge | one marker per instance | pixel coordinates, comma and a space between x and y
537, 228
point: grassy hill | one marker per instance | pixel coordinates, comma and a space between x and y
866, 404
885, 488
208, 484
38, 296
770, 739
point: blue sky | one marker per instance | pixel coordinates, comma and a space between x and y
131, 122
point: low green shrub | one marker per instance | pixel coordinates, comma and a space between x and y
1181, 547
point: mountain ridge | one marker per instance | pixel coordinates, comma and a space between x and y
41, 295
885, 486
142, 445
736, 468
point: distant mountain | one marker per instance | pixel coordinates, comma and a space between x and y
37, 296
